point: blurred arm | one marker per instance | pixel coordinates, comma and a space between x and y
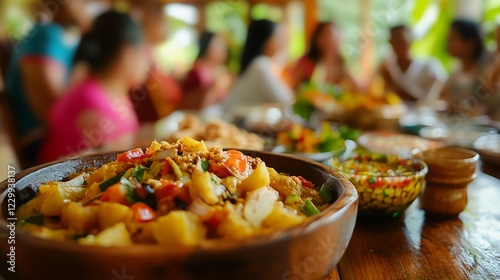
43, 83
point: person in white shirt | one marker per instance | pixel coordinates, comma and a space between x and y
259, 81
414, 80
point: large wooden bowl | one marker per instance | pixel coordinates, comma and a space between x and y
309, 251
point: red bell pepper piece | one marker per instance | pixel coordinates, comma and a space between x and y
141, 212
306, 183
219, 169
167, 169
130, 155
116, 194
216, 219
172, 190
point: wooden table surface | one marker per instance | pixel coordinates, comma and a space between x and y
414, 246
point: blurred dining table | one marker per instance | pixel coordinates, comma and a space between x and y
418, 246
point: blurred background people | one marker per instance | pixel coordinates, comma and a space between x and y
323, 63
491, 82
410, 78
259, 81
208, 82
465, 43
160, 94
39, 71
97, 114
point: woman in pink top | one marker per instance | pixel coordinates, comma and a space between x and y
97, 113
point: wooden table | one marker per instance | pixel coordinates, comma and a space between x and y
414, 246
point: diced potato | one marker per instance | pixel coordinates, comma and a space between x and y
259, 204
109, 214
45, 232
201, 186
282, 217
51, 200
142, 232
191, 145
79, 218
231, 184
73, 193
234, 226
53, 197
273, 174
258, 179
155, 146
116, 235
179, 228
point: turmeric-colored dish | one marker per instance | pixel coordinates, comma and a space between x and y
177, 194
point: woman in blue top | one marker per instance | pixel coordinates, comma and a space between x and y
39, 70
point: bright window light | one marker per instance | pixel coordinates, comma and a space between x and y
183, 12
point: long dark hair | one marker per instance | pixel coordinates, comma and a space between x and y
314, 52
258, 34
470, 31
110, 32
204, 43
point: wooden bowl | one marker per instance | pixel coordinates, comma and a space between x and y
450, 165
450, 171
308, 251
488, 147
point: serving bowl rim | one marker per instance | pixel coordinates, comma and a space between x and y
422, 172
474, 156
347, 197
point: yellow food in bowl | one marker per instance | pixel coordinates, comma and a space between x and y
386, 185
177, 195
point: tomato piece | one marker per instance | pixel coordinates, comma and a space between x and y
366, 158
167, 169
402, 162
407, 182
130, 155
141, 192
306, 183
184, 195
220, 170
379, 183
116, 194
215, 220
168, 189
172, 190
141, 212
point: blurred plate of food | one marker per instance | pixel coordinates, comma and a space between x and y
316, 144
267, 119
488, 147
374, 109
457, 135
215, 133
395, 143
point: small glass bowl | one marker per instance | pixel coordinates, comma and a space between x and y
383, 191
